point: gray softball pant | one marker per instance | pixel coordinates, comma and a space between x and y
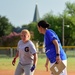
23, 69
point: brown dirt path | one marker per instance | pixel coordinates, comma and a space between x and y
11, 72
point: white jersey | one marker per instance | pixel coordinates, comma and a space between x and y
25, 52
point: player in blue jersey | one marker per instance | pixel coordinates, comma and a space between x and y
53, 47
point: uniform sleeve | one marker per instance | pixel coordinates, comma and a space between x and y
32, 48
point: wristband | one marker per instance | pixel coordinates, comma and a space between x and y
57, 54
32, 68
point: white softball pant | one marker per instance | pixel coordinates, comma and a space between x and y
65, 70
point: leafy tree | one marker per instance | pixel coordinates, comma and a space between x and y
70, 15
5, 26
70, 8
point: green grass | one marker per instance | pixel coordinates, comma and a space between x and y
71, 64
6, 63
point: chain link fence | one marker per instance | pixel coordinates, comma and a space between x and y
11, 51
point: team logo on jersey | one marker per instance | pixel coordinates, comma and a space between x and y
26, 49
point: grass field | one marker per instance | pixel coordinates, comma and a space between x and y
6, 63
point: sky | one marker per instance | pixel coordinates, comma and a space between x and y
20, 12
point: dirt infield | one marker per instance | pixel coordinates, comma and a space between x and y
10, 72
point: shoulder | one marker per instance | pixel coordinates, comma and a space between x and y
50, 32
31, 43
19, 42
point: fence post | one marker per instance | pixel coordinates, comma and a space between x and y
37, 46
43, 48
11, 52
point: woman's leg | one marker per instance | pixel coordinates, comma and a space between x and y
27, 70
64, 72
19, 70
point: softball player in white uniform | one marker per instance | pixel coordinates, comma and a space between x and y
27, 55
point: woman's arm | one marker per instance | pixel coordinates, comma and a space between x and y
35, 59
14, 60
34, 62
55, 42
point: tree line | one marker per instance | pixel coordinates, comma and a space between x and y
55, 21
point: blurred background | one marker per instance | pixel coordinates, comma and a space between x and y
14, 14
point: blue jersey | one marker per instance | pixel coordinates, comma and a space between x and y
50, 50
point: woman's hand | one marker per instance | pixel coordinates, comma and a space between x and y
13, 62
58, 59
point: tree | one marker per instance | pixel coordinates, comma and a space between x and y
69, 12
70, 8
5, 26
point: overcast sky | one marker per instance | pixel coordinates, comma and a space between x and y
21, 12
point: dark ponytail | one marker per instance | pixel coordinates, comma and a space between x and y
43, 24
